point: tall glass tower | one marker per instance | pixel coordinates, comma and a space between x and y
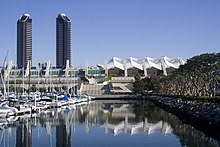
63, 40
24, 41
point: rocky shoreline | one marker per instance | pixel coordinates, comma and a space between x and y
203, 115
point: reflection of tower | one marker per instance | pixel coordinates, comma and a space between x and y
24, 135
63, 138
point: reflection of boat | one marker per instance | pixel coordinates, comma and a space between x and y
72, 101
9, 120
55, 104
6, 111
12, 118
70, 107
24, 108
81, 104
67, 119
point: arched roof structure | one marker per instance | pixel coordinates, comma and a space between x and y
143, 63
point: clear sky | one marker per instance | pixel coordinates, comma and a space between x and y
102, 29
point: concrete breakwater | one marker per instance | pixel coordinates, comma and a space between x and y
203, 115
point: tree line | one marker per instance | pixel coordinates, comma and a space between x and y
200, 76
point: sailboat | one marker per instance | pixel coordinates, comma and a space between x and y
6, 110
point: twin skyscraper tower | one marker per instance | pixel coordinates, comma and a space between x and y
24, 41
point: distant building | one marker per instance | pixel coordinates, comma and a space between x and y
24, 41
63, 40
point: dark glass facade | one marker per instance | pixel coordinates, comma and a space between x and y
63, 40
24, 41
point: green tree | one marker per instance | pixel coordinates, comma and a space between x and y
138, 85
33, 88
57, 89
42, 89
200, 76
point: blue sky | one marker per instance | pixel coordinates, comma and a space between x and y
102, 29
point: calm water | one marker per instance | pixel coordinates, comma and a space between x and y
102, 124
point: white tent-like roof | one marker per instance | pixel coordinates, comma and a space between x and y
143, 63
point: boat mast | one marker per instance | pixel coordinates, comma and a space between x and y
15, 89
67, 80
71, 83
50, 81
29, 78
8, 69
23, 80
74, 88
38, 78
4, 91
3, 78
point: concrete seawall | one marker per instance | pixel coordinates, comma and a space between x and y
118, 97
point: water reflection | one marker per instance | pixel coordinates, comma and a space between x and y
130, 123
24, 135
